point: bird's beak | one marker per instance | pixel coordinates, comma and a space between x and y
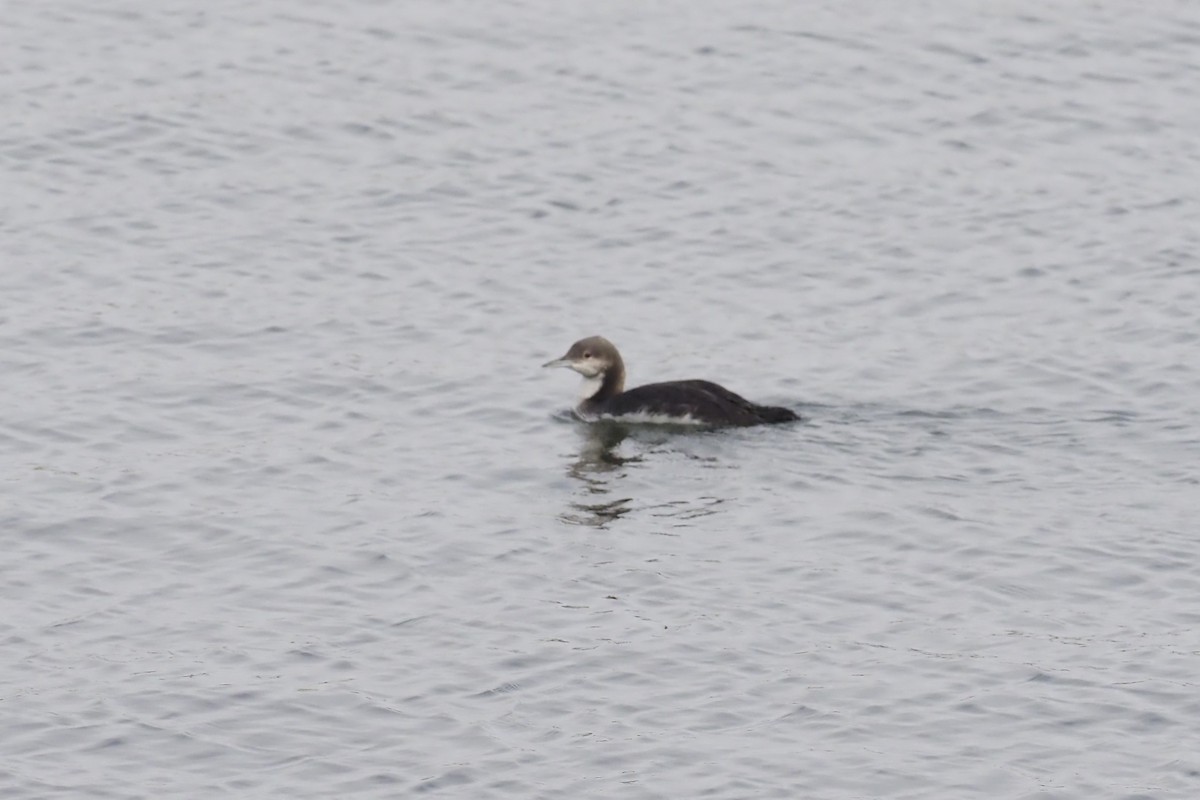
558, 362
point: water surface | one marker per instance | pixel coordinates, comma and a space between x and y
290, 509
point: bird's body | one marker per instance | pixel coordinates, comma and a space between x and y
692, 402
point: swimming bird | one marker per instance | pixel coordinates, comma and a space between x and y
603, 394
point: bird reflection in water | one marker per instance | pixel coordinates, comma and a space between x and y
598, 464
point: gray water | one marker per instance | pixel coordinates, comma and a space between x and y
289, 509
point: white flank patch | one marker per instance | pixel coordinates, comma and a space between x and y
647, 418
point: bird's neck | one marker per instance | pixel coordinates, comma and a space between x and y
605, 386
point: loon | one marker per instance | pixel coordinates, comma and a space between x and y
603, 394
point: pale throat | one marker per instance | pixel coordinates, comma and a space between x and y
589, 387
